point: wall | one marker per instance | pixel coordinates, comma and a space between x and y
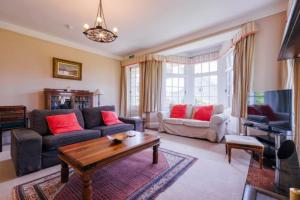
26, 69
267, 46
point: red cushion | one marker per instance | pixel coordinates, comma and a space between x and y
110, 118
253, 111
203, 112
268, 112
63, 123
178, 111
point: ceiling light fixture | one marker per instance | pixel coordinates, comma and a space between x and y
100, 33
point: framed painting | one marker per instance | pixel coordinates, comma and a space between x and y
67, 69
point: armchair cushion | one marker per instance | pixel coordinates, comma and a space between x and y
52, 142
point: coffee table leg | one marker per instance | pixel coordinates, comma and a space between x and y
87, 187
155, 154
64, 172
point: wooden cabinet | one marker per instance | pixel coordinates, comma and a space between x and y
12, 117
67, 99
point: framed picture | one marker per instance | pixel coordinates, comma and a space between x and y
67, 69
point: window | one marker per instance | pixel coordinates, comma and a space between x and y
229, 78
174, 85
206, 83
134, 90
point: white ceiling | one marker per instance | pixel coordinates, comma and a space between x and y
142, 24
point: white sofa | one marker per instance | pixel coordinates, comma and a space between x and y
213, 130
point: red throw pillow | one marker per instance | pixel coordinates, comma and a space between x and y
63, 123
178, 111
110, 118
253, 111
268, 112
203, 112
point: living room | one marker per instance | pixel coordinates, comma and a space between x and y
146, 100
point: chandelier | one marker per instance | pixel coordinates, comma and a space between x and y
100, 33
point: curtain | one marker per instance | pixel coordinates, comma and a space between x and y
296, 87
123, 94
286, 73
242, 70
151, 86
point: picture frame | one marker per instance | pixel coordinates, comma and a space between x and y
66, 69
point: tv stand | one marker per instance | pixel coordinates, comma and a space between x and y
273, 139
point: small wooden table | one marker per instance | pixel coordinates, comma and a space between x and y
86, 157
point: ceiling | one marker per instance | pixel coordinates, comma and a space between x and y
142, 24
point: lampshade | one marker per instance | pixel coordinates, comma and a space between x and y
98, 92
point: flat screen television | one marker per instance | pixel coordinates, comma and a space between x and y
273, 109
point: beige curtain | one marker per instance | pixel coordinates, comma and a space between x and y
151, 86
296, 87
286, 73
242, 74
123, 94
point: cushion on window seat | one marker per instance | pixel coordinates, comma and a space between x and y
116, 128
174, 121
52, 142
196, 123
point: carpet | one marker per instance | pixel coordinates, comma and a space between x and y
134, 177
261, 178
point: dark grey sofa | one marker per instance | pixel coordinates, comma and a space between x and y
36, 148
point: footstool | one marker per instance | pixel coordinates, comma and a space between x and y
244, 142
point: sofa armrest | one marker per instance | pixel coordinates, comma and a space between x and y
217, 120
26, 150
137, 122
162, 115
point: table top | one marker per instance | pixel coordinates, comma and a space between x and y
91, 152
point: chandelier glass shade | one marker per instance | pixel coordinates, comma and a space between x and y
100, 32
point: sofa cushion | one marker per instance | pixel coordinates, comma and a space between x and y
110, 118
203, 113
173, 121
92, 116
59, 124
178, 111
52, 142
116, 128
39, 123
196, 123
189, 110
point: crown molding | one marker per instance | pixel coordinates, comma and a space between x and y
218, 29
44, 36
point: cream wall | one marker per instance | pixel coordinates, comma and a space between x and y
26, 69
267, 46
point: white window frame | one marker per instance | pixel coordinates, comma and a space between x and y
201, 75
133, 90
180, 98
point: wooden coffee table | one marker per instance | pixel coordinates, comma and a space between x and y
86, 157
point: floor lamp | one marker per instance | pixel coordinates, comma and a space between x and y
98, 93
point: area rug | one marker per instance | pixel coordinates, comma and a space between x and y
261, 178
134, 177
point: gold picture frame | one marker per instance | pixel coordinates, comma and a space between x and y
67, 69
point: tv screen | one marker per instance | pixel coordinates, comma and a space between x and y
273, 108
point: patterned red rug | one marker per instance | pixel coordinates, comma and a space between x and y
134, 177
261, 178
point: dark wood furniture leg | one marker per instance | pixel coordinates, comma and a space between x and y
64, 172
87, 187
155, 154
261, 158
229, 153
0, 140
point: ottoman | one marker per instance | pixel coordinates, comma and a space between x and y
246, 143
